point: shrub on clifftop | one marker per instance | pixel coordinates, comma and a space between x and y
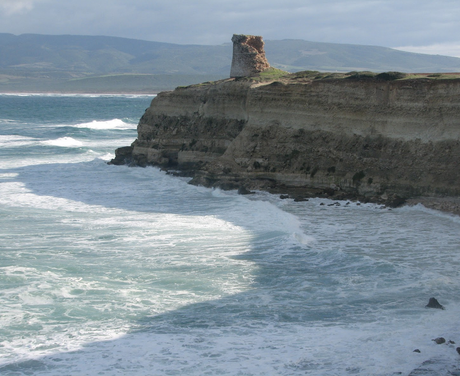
390, 76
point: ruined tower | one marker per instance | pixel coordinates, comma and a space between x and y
248, 56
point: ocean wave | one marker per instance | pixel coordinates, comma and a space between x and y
7, 121
77, 95
106, 124
423, 209
67, 142
15, 141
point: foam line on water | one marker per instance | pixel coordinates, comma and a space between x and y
212, 280
16, 141
254, 349
106, 124
437, 213
265, 216
66, 142
76, 95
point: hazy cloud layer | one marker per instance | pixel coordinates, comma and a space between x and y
391, 23
11, 7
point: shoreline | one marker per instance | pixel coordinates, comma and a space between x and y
443, 204
449, 205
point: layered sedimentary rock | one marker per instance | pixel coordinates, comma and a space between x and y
248, 56
372, 139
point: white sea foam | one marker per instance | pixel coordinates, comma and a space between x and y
115, 270
77, 95
262, 350
197, 260
8, 175
108, 124
66, 142
16, 141
440, 214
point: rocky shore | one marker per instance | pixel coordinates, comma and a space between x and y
387, 138
370, 138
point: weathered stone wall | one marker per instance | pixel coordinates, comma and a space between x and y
248, 56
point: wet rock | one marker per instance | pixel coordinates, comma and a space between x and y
329, 191
226, 185
417, 351
300, 199
123, 155
395, 201
458, 350
284, 197
203, 181
433, 303
439, 340
244, 191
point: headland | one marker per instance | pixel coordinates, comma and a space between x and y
388, 138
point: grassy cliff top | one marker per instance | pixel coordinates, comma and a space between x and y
273, 74
277, 75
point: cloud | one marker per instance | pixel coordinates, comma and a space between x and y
446, 49
373, 22
11, 7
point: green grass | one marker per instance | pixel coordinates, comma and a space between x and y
433, 76
268, 75
271, 74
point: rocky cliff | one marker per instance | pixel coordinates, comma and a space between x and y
373, 138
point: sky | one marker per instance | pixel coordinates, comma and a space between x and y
426, 26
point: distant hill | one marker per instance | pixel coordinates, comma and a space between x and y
297, 55
31, 62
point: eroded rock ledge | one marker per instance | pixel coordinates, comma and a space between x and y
370, 139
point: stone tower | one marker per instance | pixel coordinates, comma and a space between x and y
248, 56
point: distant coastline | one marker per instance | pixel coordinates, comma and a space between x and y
107, 84
79, 92
96, 64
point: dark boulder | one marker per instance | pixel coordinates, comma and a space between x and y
439, 340
433, 303
395, 201
123, 155
300, 199
244, 191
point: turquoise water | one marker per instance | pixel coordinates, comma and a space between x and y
113, 270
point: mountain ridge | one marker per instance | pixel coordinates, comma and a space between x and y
37, 62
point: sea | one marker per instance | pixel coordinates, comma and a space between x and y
117, 270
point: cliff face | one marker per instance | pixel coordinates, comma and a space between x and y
344, 138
